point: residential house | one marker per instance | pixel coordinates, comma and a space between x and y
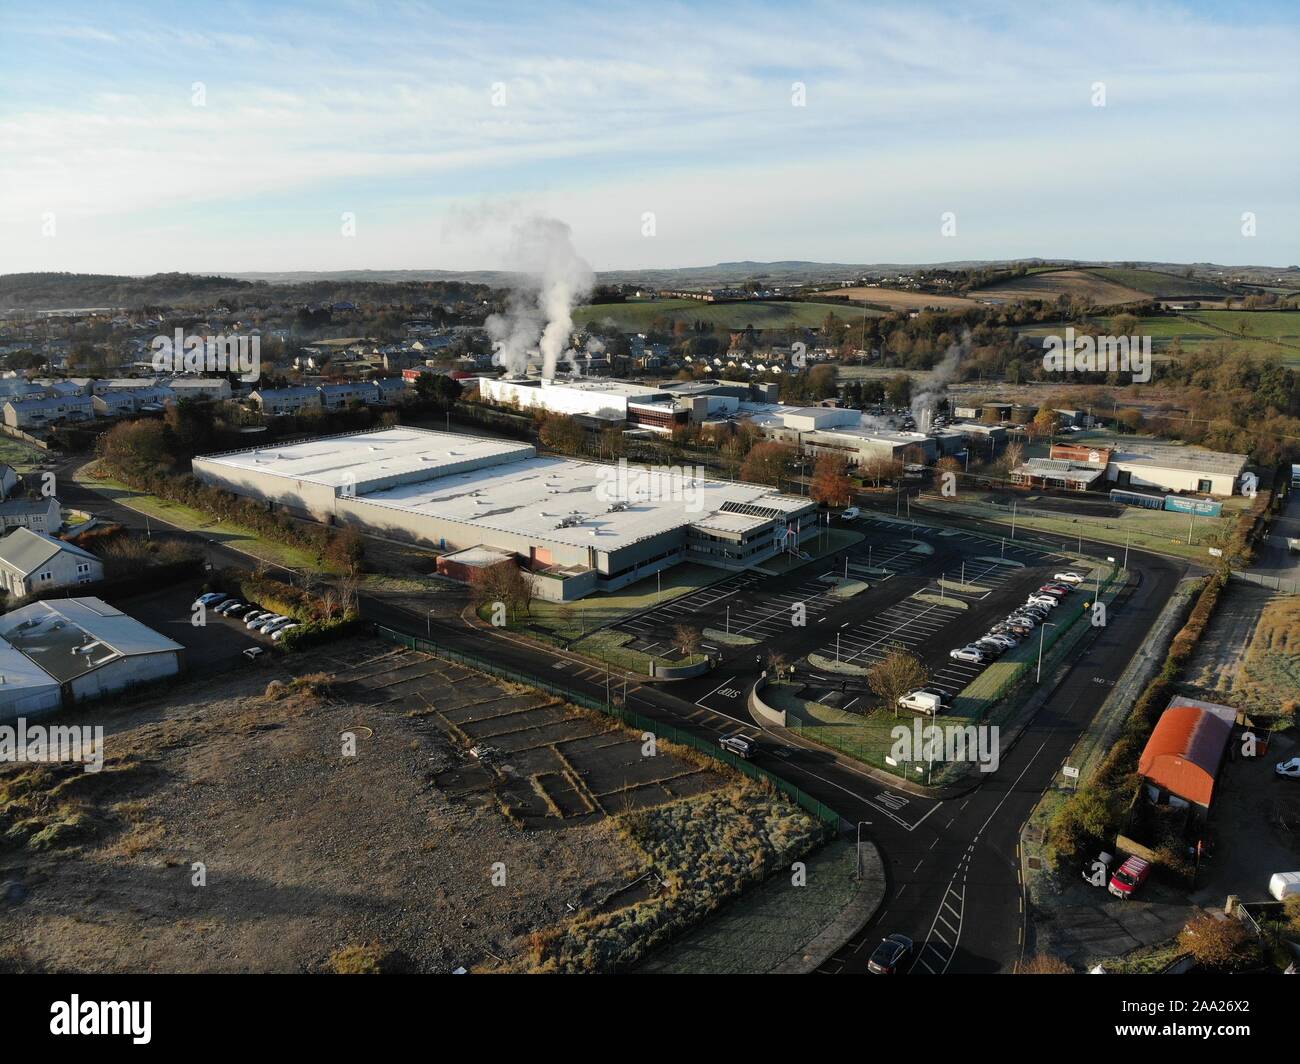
293, 400
41, 514
37, 413
32, 561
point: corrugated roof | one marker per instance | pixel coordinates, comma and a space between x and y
26, 551
73, 636
1186, 748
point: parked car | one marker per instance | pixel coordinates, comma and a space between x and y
1097, 870
923, 701
988, 647
271, 627
251, 619
1069, 578
1002, 640
253, 653
1130, 877
889, 956
242, 610
738, 744
212, 598
1057, 589
277, 632
1025, 620
262, 626
1042, 600
1289, 769
970, 654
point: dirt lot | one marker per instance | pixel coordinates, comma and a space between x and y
307, 851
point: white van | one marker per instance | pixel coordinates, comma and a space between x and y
1284, 884
929, 702
851, 514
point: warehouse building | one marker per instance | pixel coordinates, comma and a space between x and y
86, 647
579, 526
1174, 467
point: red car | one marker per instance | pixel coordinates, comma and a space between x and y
1055, 590
1129, 877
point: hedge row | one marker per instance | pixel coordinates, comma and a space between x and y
315, 624
340, 549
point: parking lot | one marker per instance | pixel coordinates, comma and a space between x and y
929, 590
218, 644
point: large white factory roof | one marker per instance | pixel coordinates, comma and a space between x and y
579, 503
335, 461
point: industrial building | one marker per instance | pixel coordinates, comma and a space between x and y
1174, 467
84, 647
579, 526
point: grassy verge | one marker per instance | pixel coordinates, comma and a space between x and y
828, 542
990, 697
22, 456
233, 536
865, 737
1158, 530
609, 646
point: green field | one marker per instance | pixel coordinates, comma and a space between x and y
1161, 284
637, 316
1271, 333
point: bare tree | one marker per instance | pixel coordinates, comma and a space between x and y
895, 674
686, 639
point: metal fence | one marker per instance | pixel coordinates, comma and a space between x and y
666, 732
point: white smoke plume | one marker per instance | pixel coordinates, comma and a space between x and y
935, 390
538, 319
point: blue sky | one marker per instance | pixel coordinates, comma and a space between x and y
435, 125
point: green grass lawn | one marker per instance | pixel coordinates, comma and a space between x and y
19, 454
234, 536
768, 315
1159, 530
1271, 333
865, 737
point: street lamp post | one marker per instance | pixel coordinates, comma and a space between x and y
1041, 633
1013, 518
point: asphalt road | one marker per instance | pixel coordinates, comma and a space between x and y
953, 879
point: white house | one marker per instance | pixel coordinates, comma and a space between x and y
334, 396
32, 561
215, 388
42, 514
